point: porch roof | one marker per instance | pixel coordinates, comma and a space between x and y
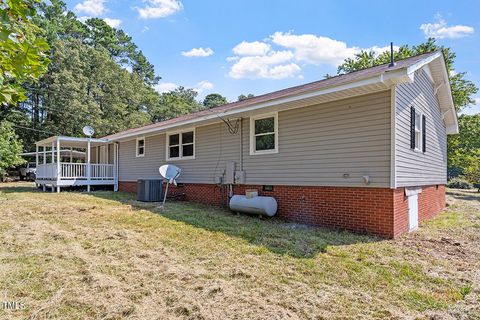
64, 153
72, 142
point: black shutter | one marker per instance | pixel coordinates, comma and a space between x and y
424, 133
412, 127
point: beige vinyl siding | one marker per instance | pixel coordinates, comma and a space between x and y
132, 168
414, 168
213, 144
317, 146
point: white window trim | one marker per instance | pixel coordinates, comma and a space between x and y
420, 142
136, 147
252, 133
181, 157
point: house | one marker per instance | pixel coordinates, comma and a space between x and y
364, 151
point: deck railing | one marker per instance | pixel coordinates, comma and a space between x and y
75, 171
46, 171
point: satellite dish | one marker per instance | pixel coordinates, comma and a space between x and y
88, 131
171, 173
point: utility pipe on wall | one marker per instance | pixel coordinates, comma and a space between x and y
241, 145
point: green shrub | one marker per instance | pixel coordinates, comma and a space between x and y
457, 183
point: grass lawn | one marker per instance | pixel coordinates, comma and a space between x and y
105, 256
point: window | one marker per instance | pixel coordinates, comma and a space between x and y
418, 131
418, 126
264, 134
140, 147
181, 145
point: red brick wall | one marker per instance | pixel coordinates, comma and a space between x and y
356, 209
380, 211
400, 203
430, 203
127, 186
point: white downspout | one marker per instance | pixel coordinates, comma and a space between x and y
115, 166
241, 144
88, 165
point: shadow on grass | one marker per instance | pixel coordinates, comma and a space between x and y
17, 187
272, 234
467, 195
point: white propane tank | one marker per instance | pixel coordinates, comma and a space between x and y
266, 206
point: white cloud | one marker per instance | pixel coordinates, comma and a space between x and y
114, 23
274, 65
166, 87
204, 85
314, 49
440, 30
198, 52
83, 19
255, 48
379, 50
159, 8
145, 29
93, 8
283, 55
170, 86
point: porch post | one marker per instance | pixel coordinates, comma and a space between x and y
115, 167
71, 156
53, 152
36, 162
53, 161
59, 173
44, 188
88, 165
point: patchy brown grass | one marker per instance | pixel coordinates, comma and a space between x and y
105, 256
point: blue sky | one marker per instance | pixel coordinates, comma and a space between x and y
235, 47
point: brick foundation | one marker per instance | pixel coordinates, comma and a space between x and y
380, 211
430, 203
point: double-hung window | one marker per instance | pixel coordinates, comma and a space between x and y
140, 147
264, 134
181, 145
418, 131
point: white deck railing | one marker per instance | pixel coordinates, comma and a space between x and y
75, 171
47, 171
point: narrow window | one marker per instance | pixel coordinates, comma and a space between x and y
140, 147
417, 130
181, 145
264, 134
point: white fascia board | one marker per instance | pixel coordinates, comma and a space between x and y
423, 62
451, 105
63, 138
445, 85
387, 78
